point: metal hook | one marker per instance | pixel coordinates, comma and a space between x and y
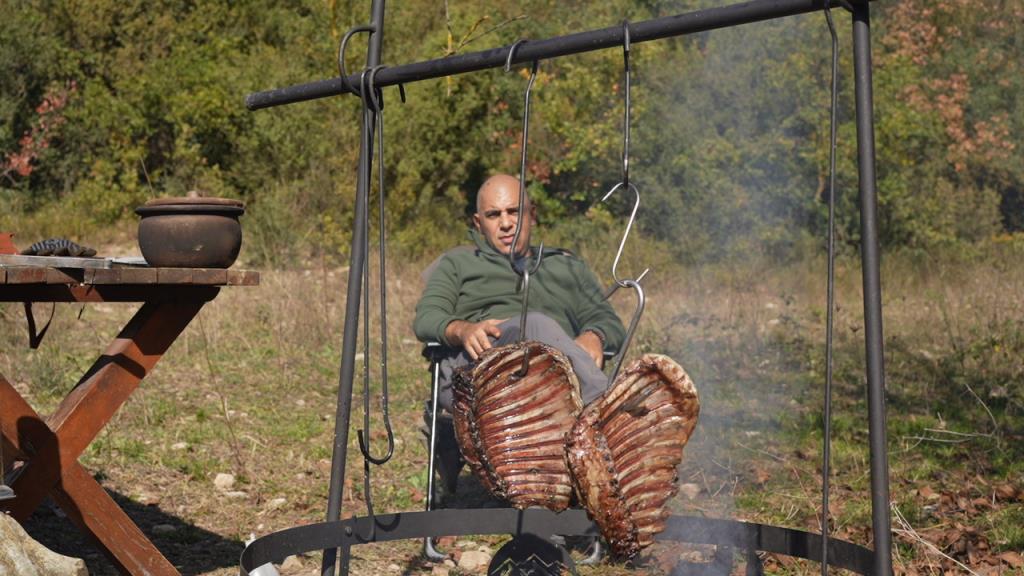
525, 368
629, 226
522, 161
376, 98
626, 123
511, 52
526, 269
826, 456
373, 105
367, 106
341, 51
368, 82
641, 301
625, 183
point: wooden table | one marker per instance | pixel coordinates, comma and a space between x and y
49, 447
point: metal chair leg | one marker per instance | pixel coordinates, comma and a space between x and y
595, 556
428, 543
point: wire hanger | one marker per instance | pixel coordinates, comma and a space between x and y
373, 117
373, 110
520, 265
830, 295
626, 184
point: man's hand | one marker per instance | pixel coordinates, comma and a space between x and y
473, 336
592, 345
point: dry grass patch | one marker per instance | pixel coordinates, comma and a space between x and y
249, 390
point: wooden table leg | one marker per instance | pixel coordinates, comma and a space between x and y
97, 397
54, 446
16, 412
86, 502
95, 513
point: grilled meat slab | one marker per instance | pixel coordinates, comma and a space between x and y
512, 429
624, 449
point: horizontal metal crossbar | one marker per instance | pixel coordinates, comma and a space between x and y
654, 29
461, 522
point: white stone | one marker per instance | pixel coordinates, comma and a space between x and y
265, 570
276, 503
148, 499
291, 563
179, 446
237, 494
472, 560
440, 570
689, 490
394, 568
20, 554
223, 481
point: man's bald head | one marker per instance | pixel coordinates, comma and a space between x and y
499, 184
497, 211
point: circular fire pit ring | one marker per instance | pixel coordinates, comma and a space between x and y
746, 536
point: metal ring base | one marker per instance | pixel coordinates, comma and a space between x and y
463, 522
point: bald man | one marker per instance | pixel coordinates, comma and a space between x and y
471, 304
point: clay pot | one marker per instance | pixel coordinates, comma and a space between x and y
190, 232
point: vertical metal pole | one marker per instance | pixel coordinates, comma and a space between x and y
353, 298
880, 516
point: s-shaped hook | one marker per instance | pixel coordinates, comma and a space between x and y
520, 265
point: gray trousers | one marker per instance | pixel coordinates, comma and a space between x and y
539, 328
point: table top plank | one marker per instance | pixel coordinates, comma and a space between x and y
26, 275
174, 276
54, 261
64, 276
209, 276
123, 276
243, 278
127, 276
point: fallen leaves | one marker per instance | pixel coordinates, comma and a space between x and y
959, 539
1007, 492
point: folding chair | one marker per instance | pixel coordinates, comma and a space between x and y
434, 351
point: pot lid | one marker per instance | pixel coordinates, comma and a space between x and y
195, 201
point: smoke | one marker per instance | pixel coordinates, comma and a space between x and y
738, 193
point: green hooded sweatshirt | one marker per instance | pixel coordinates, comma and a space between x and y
475, 284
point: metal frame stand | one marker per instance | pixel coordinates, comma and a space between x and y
354, 295
334, 534
871, 275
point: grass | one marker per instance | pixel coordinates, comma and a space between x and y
249, 389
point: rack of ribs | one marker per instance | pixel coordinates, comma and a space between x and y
512, 429
529, 442
624, 449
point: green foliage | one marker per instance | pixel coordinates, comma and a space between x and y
729, 139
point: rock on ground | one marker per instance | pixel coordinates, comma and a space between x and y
20, 554
473, 560
224, 481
